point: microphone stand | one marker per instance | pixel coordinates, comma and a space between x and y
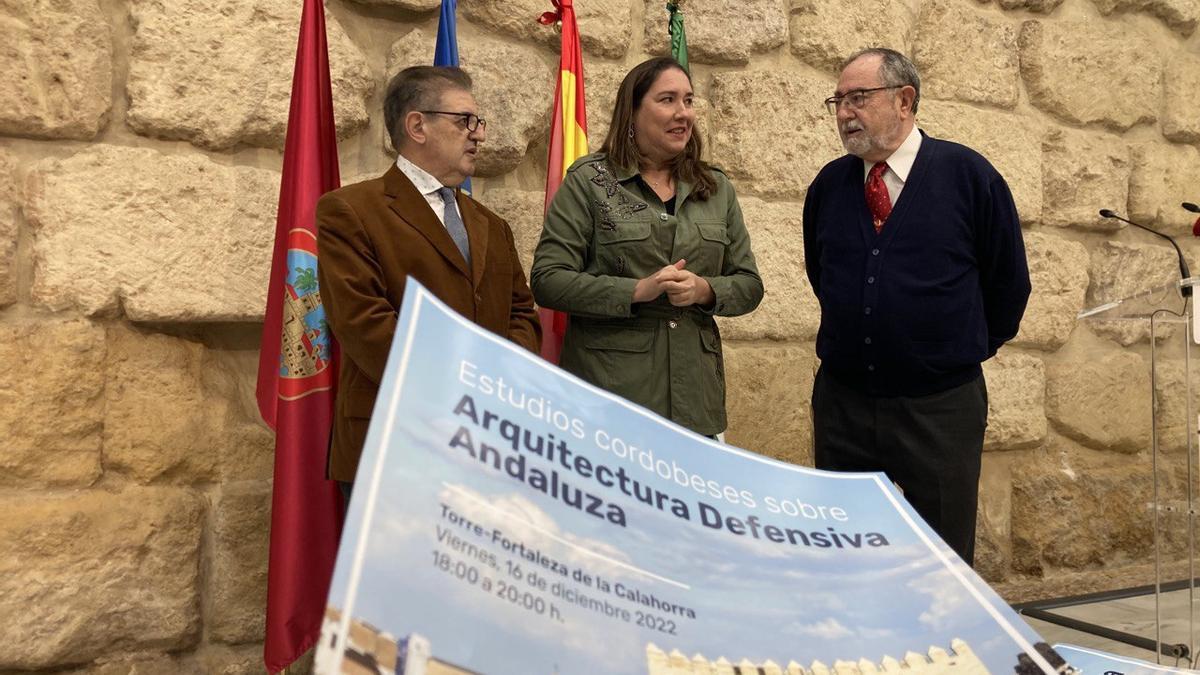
1189, 316
1185, 273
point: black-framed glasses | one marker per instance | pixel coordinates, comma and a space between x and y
855, 99
472, 121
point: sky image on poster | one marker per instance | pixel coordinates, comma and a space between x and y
519, 520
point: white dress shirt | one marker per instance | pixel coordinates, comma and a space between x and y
426, 184
899, 164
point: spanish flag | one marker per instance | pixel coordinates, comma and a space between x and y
568, 142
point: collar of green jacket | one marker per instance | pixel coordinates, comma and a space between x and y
626, 174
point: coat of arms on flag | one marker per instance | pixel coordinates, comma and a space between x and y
305, 350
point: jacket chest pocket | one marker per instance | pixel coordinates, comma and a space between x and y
623, 248
710, 254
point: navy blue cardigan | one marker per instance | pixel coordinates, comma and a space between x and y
915, 309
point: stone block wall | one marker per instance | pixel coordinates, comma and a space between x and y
139, 168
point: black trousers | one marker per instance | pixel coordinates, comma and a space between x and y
930, 446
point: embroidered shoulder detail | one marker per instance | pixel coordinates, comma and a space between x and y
622, 207
605, 179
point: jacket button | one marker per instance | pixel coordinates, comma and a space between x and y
871, 367
673, 323
662, 217
870, 280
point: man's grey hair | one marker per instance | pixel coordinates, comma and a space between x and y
418, 88
895, 70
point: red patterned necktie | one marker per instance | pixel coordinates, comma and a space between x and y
878, 199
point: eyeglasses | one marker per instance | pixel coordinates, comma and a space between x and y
855, 99
471, 121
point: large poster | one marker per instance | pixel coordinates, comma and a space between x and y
509, 518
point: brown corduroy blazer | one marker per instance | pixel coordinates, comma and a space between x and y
373, 235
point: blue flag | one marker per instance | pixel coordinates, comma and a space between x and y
445, 53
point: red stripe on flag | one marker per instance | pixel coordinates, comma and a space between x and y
298, 366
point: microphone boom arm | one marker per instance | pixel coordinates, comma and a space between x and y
1184, 272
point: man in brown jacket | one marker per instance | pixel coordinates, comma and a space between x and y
413, 221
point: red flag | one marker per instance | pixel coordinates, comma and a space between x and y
297, 366
568, 142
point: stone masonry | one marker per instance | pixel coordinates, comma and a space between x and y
140, 150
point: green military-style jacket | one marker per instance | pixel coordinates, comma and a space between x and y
605, 230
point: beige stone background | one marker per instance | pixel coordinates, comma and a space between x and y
139, 168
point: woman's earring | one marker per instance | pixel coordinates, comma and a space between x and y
631, 130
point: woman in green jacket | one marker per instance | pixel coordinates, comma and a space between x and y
642, 246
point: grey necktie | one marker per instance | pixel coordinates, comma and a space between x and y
454, 224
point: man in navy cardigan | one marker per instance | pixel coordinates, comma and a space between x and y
913, 248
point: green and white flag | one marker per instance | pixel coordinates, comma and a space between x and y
678, 37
